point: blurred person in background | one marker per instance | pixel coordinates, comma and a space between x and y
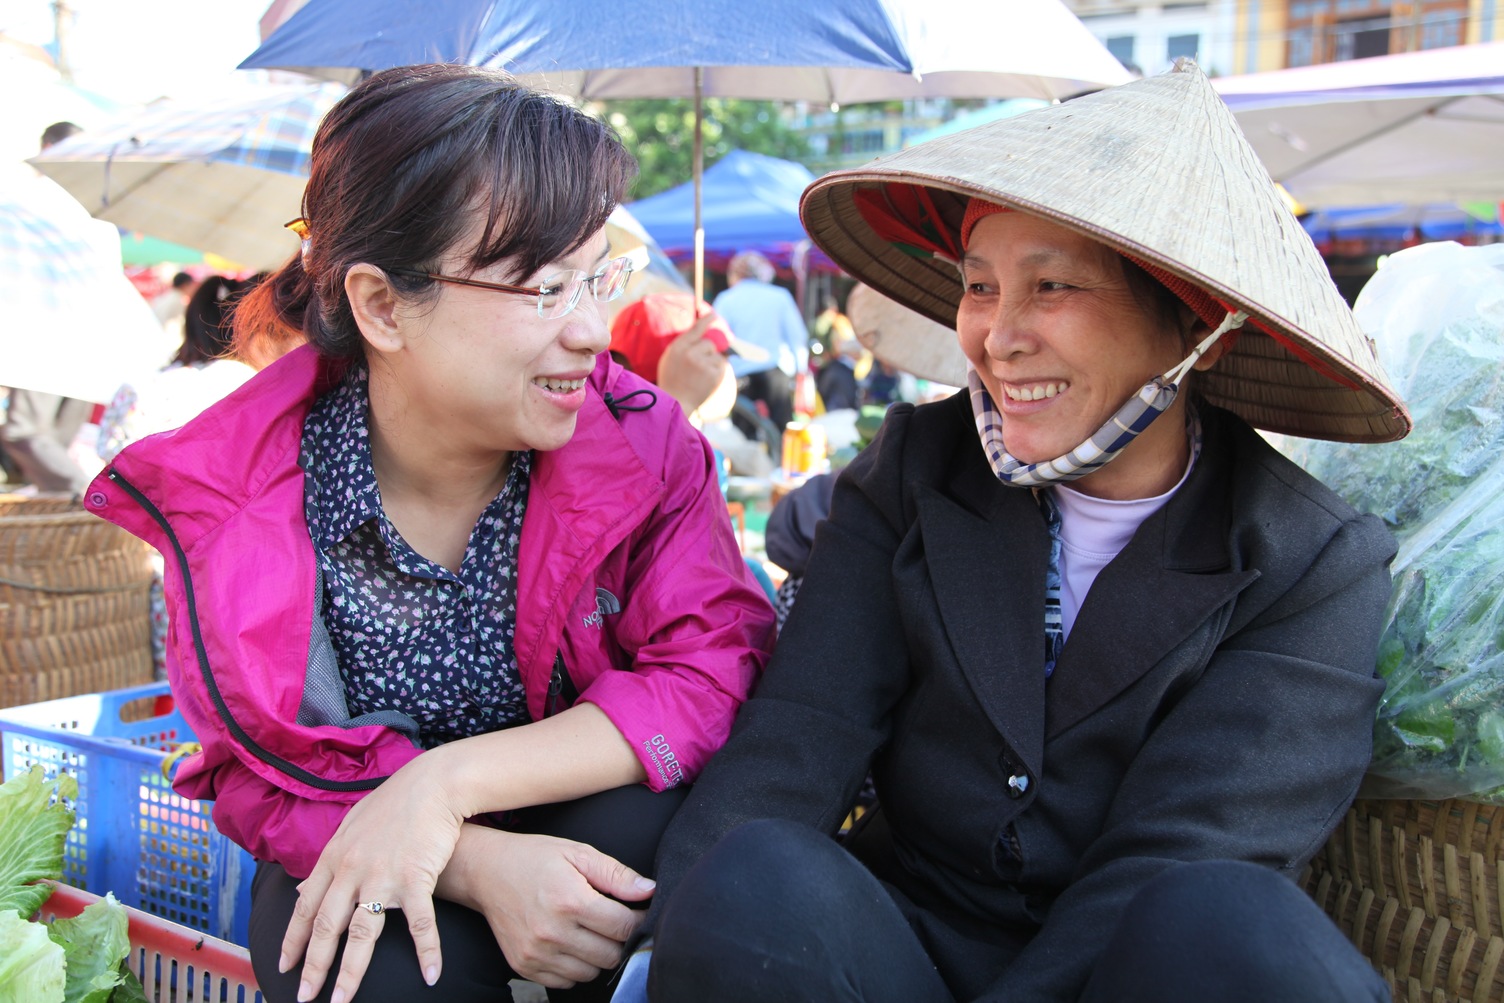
838, 382
203, 371
59, 131
765, 316
39, 427
171, 303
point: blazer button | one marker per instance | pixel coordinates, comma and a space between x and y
1018, 785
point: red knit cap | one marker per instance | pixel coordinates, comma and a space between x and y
1203, 303
976, 211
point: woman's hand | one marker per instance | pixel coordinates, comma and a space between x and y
390, 849
549, 902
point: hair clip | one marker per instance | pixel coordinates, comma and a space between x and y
300, 227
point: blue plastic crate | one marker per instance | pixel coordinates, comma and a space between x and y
154, 849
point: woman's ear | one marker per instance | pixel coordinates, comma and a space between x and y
1196, 331
374, 304
1211, 355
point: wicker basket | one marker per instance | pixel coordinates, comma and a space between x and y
74, 602
1419, 888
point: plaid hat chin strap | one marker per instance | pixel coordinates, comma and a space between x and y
1137, 413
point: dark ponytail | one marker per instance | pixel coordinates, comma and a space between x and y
207, 320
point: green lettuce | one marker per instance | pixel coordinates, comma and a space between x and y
33, 828
78, 960
31, 965
95, 942
1436, 314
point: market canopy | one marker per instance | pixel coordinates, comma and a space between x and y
750, 202
1414, 127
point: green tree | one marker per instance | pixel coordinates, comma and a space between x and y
661, 133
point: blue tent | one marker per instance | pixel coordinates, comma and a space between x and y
750, 201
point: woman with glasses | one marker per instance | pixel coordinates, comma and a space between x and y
456, 609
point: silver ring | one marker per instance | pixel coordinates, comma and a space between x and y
374, 908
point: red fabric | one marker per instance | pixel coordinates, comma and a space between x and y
644, 329
977, 210
905, 215
1206, 306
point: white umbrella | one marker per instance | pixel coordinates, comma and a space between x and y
39, 97
1411, 128
72, 323
219, 176
860, 50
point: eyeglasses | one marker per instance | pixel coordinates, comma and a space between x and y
559, 294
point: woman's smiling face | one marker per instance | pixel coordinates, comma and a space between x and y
1052, 326
486, 371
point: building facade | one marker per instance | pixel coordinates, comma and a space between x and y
1251, 36
1148, 37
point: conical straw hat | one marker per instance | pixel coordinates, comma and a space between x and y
1157, 170
904, 339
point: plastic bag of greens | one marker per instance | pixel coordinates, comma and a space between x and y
1436, 313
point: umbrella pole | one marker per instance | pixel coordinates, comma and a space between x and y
699, 157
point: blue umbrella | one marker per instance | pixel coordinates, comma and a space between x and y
857, 50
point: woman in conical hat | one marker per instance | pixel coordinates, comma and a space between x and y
1108, 656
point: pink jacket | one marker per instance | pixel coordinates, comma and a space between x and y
628, 576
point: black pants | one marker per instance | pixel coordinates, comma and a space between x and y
625, 823
776, 911
775, 388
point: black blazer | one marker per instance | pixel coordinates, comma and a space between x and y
1215, 698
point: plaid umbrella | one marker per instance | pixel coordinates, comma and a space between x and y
222, 176
74, 325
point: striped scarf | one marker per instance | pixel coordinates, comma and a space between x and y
990, 429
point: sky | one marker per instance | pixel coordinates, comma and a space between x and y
134, 51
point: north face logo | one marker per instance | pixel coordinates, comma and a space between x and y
605, 605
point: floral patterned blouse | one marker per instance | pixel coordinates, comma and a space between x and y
409, 634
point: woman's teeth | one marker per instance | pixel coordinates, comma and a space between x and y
559, 386
1035, 393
